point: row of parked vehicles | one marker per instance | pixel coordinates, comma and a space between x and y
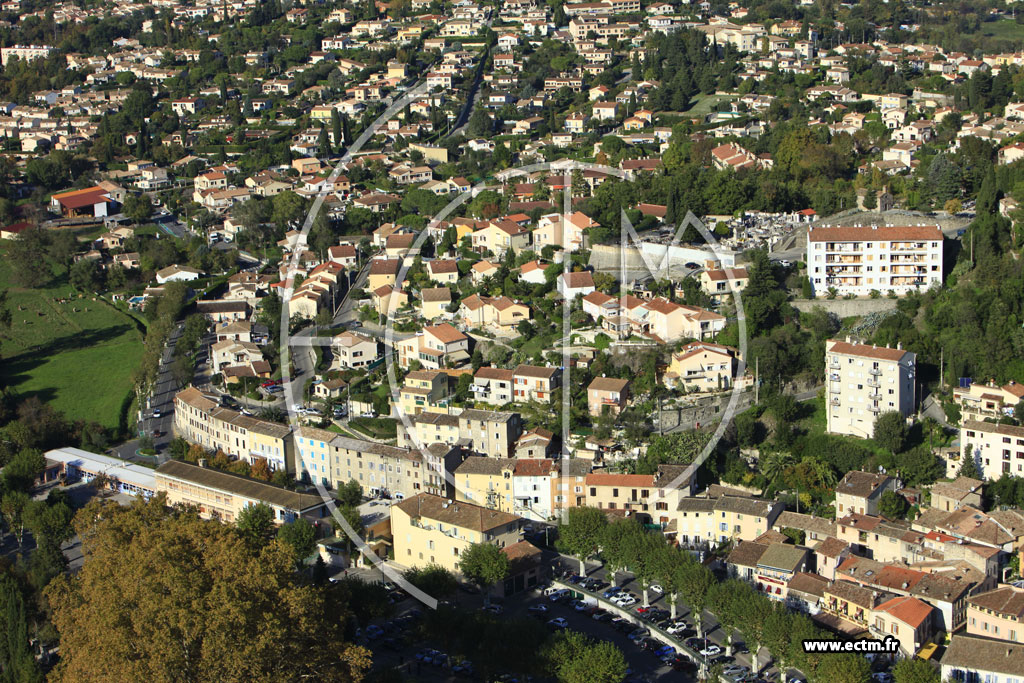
679, 629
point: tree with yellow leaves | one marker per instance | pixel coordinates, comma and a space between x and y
166, 596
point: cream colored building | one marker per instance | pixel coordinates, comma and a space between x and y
200, 420
223, 496
394, 471
703, 366
429, 529
709, 522
648, 496
435, 347
487, 482
865, 381
499, 312
719, 283
997, 449
980, 401
859, 492
424, 390
490, 432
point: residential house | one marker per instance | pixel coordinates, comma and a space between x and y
998, 613
493, 386
353, 350
434, 347
534, 383
607, 394
702, 366
572, 285
971, 658
859, 492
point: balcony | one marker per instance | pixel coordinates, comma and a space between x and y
874, 383
835, 377
875, 371
874, 408
834, 389
835, 364
834, 402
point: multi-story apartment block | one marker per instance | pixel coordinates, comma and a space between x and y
200, 420
25, 53
429, 428
860, 259
433, 530
865, 381
389, 470
709, 522
490, 432
313, 455
996, 449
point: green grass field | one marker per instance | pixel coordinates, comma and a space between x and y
80, 362
1004, 29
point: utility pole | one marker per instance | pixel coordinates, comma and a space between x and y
942, 376
757, 381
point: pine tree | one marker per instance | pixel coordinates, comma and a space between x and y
323, 145
336, 128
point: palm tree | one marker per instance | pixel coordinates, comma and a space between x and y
773, 465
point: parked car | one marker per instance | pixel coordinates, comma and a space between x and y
656, 588
157, 412
559, 623
711, 650
537, 609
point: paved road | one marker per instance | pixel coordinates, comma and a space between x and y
162, 400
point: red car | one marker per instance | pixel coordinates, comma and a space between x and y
643, 610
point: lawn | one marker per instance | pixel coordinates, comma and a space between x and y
1005, 29
376, 427
705, 104
77, 355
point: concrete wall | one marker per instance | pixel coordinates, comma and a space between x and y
845, 308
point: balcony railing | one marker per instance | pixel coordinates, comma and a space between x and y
834, 402
833, 389
875, 371
874, 409
874, 383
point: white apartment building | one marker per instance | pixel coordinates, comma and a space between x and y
865, 381
25, 53
860, 259
997, 449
